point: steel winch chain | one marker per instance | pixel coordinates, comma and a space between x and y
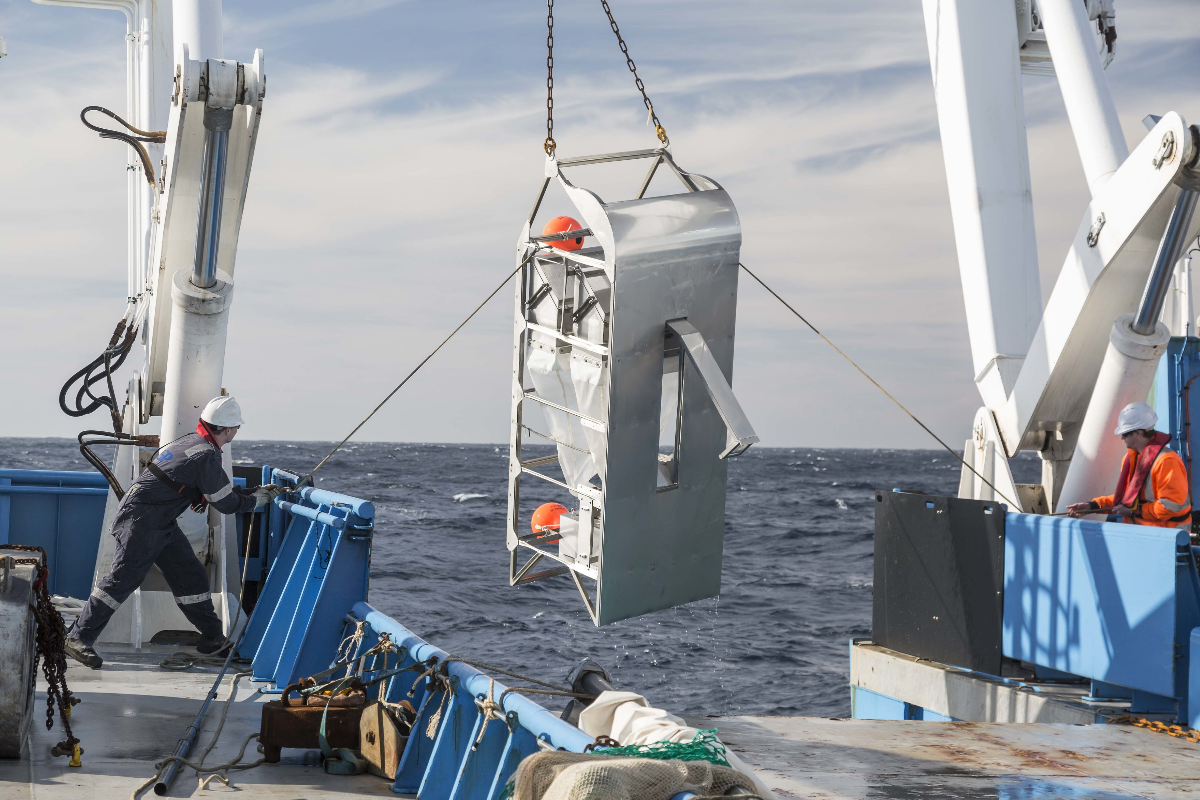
658, 128
549, 144
51, 636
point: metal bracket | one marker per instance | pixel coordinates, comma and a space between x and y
741, 434
1165, 150
1094, 232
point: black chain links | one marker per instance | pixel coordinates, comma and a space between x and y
51, 636
549, 144
658, 128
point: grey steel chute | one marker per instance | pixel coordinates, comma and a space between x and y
740, 433
601, 332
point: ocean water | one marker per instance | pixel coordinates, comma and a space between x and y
796, 585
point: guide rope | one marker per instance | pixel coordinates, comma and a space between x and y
415, 370
876, 384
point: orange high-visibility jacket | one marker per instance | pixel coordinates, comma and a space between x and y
1165, 500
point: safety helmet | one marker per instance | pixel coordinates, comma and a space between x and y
545, 518
560, 224
222, 412
1136, 417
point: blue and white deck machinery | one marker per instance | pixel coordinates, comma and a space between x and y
306, 562
987, 608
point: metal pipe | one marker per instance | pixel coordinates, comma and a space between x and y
312, 513
362, 508
83, 490
167, 776
535, 719
212, 192
1169, 249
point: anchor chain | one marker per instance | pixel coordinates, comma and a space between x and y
51, 636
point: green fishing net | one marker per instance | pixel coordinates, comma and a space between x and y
705, 747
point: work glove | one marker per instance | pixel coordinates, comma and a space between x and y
265, 494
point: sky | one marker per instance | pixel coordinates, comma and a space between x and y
400, 149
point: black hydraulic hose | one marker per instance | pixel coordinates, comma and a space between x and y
134, 139
119, 347
118, 439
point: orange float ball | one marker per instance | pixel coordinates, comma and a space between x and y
560, 224
545, 519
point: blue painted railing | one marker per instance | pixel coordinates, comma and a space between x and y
448, 765
318, 571
62, 512
1113, 603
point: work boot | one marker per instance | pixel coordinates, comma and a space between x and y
83, 653
217, 646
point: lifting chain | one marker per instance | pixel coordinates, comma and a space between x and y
658, 128
51, 636
1178, 731
549, 145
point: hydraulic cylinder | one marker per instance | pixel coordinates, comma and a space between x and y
196, 357
1125, 377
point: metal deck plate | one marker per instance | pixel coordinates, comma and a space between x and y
836, 759
131, 716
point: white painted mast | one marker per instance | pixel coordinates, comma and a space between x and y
1053, 381
1090, 106
976, 65
200, 314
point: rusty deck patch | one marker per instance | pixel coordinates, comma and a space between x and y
848, 759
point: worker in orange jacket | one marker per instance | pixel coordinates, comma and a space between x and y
1153, 486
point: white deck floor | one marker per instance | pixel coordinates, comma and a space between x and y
133, 713
836, 759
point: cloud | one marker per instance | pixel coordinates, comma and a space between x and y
395, 167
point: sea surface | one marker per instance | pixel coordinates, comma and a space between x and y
796, 585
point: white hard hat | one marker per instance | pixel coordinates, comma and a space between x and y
1136, 417
223, 412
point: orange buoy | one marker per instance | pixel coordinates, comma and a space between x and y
545, 519
560, 224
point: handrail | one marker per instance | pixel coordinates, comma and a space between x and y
319, 517
93, 491
540, 722
363, 509
41, 477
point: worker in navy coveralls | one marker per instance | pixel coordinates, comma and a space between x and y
187, 472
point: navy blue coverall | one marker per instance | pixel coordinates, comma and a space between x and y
147, 534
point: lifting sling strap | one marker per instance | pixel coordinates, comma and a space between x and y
192, 493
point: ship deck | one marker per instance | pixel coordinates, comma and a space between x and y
131, 715
836, 759
133, 712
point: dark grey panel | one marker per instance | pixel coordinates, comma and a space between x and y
939, 578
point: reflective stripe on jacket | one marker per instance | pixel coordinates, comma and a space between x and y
1166, 501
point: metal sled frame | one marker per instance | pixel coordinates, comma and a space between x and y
721, 429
